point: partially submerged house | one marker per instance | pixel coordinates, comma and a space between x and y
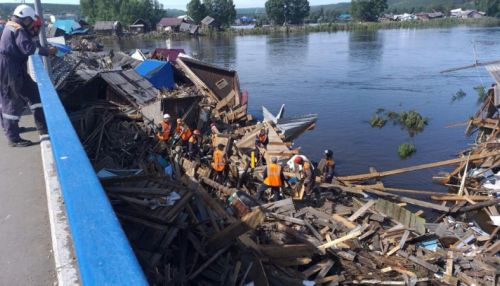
169, 24
108, 28
159, 73
189, 28
169, 55
138, 27
208, 23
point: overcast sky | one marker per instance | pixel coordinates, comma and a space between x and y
181, 4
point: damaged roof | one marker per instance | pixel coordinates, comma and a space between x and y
131, 86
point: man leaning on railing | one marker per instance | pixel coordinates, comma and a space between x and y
16, 86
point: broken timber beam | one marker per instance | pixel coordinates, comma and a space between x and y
363, 177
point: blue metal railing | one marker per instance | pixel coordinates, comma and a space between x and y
103, 253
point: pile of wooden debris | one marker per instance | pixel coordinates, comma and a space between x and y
187, 229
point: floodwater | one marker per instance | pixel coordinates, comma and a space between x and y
346, 76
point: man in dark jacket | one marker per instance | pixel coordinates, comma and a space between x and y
16, 45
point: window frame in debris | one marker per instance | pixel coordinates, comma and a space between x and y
222, 83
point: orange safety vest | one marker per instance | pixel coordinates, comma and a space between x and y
262, 138
329, 162
164, 135
184, 133
193, 139
273, 178
219, 161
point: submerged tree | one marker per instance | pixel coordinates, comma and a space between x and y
368, 10
287, 11
196, 10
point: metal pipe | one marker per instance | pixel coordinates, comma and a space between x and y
42, 36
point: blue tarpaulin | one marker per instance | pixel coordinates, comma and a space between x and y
159, 73
70, 27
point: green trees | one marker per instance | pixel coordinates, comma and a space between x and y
289, 11
196, 10
367, 10
223, 11
125, 11
491, 7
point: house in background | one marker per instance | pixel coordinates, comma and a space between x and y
208, 23
471, 14
108, 28
169, 24
138, 27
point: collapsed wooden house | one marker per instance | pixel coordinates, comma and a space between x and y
187, 229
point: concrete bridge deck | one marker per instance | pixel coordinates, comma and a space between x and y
26, 256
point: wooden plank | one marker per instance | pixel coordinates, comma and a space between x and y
424, 263
287, 218
325, 269
208, 262
347, 237
228, 235
361, 210
460, 198
286, 251
363, 177
347, 223
410, 201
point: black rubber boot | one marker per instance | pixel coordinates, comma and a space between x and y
20, 143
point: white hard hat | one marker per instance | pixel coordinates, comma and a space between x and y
166, 116
24, 11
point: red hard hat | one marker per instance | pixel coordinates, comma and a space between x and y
298, 160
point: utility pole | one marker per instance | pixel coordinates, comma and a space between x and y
43, 36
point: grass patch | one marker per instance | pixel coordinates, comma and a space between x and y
481, 93
405, 150
412, 121
377, 121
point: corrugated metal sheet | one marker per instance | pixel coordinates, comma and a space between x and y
132, 86
207, 20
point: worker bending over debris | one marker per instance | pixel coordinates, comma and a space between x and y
16, 45
261, 141
194, 145
307, 178
329, 168
164, 128
183, 133
274, 179
219, 162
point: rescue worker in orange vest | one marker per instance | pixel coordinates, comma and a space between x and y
273, 178
307, 177
183, 132
261, 139
219, 163
164, 128
329, 168
194, 144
